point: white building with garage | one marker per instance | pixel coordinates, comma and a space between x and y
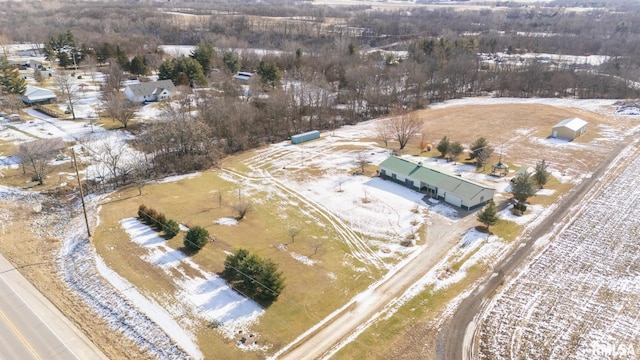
569, 129
437, 183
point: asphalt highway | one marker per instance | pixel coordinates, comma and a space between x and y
31, 327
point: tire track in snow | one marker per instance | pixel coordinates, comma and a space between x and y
359, 248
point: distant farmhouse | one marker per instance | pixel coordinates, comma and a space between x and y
34, 95
436, 183
569, 129
150, 91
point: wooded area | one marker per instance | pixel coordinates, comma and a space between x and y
319, 67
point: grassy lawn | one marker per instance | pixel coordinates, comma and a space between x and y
194, 201
411, 329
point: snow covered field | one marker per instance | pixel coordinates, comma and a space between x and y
579, 298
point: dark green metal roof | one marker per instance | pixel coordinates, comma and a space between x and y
434, 176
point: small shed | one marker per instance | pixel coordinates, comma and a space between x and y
569, 129
304, 137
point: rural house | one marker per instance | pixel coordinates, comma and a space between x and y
437, 183
34, 95
150, 91
569, 129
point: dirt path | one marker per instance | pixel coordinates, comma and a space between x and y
457, 337
326, 336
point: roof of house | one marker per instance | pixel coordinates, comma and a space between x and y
33, 93
152, 88
241, 75
571, 123
434, 176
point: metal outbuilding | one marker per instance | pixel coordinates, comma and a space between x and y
569, 129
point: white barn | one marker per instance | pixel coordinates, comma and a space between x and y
569, 129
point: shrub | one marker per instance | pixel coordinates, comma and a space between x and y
160, 222
151, 215
171, 228
142, 213
253, 276
196, 238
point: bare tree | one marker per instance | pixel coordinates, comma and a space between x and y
114, 76
65, 84
383, 131
112, 153
37, 154
293, 231
362, 161
403, 127
316, 244
242, 208
119, 107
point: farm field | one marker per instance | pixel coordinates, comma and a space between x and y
577, 299
352, 226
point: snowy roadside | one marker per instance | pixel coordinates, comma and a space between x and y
146, 324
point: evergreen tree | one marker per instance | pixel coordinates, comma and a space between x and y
541, 175
232, 61
203, 54
443, 146
197, 237
11, 82
253, 276
523, 187
182, 71
488, 215
137, 66
481, 151
454, 150
269, 74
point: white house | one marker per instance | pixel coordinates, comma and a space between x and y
569, 129
35, 95
150, 91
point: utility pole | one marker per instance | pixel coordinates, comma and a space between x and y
84, 208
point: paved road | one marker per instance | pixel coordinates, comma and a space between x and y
318, 342
32, 328
457, 335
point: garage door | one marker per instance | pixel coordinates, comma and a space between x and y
452, 199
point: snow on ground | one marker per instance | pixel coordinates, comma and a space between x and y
532, 212
593, 105
207, 295
125, 312
226, 221
579, 298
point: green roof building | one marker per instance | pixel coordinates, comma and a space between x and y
437, 183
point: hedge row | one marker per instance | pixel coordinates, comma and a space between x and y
158, 221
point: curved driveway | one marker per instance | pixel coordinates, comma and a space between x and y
31, 327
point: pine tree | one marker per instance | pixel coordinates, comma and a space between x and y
541, 175
489, 215
443, 146
523, 187
10, 80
